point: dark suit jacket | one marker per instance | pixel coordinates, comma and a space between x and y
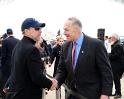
27, 78
7, 47
55, 54
0, 57
117, 57
92, 75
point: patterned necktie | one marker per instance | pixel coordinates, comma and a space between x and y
73, 55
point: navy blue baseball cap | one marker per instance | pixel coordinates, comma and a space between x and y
31, 22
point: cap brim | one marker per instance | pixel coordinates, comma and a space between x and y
42, 24
39, 25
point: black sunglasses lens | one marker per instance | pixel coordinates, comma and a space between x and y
37, 29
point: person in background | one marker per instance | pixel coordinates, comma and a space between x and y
8, 44
44, 51
116, 58
55, 56
84, 64
56, 53
44, 58
27, 77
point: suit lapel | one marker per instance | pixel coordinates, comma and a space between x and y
68, 60
70, 56
82, 52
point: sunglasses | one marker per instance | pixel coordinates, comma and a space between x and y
37, 29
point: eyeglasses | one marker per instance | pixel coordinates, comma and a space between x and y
37, 29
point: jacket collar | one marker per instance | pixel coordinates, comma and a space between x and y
29, 39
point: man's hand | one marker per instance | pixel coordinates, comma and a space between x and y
54, 84
104, 97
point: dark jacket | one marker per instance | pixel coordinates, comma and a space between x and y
117, 57
92, 76
0, 56
27, 78
55, 55
8, 45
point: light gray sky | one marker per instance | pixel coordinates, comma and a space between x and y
94, 14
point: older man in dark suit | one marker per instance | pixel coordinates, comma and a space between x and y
27, 77
84, 64
8, 45
117, 62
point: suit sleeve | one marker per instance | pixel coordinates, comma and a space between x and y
36, 70
103, 64
61, 73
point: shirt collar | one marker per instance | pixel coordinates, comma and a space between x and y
80, 39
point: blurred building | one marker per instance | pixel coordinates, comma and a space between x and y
121, 38
121, 1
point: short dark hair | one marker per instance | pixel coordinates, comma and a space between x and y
9, 31
75, 21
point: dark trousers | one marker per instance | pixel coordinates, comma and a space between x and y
69, 96
0, 83
3, 82
16, 95
117, 83
72, 97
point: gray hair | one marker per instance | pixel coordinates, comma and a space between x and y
75, 21
116, 36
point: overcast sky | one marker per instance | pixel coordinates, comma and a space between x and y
93, 14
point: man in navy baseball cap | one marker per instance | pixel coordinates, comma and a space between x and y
27, 77
31, 22
32, 28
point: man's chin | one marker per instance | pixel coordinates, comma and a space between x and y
68, 39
